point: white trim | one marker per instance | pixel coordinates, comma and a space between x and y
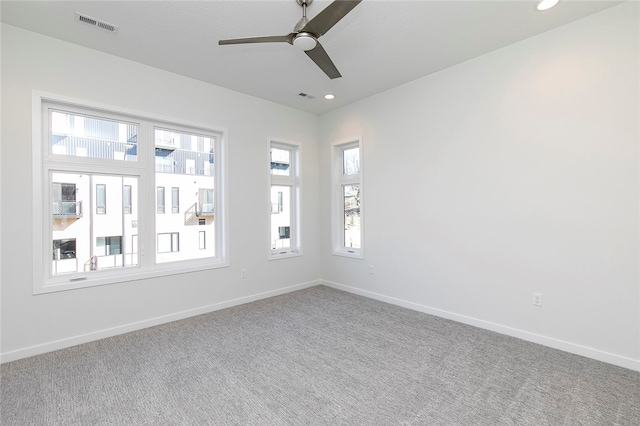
139, 325
608, 357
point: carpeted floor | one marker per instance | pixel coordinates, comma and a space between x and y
316, 357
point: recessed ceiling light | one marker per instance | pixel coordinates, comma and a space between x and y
329, 96
546, 4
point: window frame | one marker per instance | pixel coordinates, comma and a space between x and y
338, 181
45, 162
294, 181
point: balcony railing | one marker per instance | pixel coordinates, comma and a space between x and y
67, 209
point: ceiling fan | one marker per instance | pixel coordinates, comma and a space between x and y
306, 33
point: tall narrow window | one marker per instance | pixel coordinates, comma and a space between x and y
88, 157
175, 200
160, 200
347, 204
101, 198
284, 237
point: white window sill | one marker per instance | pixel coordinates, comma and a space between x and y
353, 253
93, 279
282, 254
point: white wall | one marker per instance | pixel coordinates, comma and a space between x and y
512, 173
33, 324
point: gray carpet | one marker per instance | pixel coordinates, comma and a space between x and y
316, 357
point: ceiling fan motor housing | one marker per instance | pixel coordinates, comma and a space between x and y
305, 41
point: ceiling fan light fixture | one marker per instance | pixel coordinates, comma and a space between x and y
305, 41
546, 4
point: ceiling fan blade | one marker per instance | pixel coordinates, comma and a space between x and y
329, 16
321, 58
269, 39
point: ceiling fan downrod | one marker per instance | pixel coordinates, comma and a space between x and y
304, 40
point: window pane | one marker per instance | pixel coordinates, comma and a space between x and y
280, 217
73, 249
351, 203
83, 136
175, 200
183, 153
280, 162
160, 199
351, 161
101, 198
126, 199
185, 163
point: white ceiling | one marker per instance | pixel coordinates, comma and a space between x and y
379, 45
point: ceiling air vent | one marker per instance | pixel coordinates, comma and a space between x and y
96, 23
305, 95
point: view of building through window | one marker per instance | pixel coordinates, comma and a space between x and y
351, 198
284, 237
94, 214
347, 199
185, 170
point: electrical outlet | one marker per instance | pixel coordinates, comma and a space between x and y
371, 269
243, 273
537, 299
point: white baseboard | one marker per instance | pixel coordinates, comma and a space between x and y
621, 361
126, 328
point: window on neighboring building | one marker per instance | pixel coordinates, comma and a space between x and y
83, 151
168, 242
160, 199
284, 190
347, 221
101, 198
64, 249
126, 199
175, 200
108, 246
202, 240
64, 200
205, 202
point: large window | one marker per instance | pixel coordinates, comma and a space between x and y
99, 189
347, 204
284, 190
